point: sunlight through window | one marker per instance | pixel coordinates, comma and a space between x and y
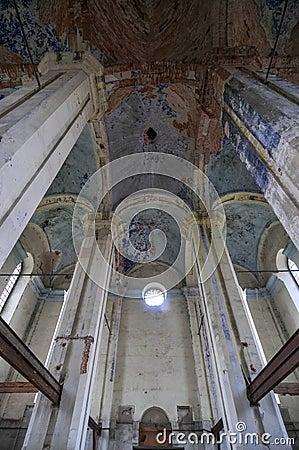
154, 296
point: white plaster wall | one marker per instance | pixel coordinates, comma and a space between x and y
23, 312
7, 268
103, 371
290, 317
269, 332
155, 365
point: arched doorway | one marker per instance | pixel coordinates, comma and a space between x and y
153, 422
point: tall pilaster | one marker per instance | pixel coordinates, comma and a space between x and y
261, 120
232, 343
38, 129
74, 355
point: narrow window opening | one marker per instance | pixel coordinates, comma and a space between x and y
10, 285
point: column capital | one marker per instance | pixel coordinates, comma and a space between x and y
205, 218
97, 223
92, 68
103, 219
72, 61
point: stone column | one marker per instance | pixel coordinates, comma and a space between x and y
232, 342
74, 355
38, 128
261, 120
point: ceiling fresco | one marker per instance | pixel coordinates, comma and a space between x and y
41, 37
141, 227
164, 117
157, 109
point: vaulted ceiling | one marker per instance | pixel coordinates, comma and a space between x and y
128, 31
167, 48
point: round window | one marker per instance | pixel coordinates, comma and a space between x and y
154, 295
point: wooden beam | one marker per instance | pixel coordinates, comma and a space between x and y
281, 365
17, 387
287, 389
19, 356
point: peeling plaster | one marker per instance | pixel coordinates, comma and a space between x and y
246, 223
41, 38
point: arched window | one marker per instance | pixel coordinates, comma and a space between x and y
294, 270
10, 285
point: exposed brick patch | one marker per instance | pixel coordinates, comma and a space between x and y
147, 31
88, 340
14, 71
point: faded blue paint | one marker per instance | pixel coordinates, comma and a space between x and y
57, 221
41, 38
112, 369
4, 92
57, 224
260, 126
248, 154
141, 227
125, 127
246, 222
270, 12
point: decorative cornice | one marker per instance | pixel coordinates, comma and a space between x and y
273, 284
250, 197
86, 62
45, 294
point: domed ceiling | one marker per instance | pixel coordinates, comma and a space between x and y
149, 30
153, 115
